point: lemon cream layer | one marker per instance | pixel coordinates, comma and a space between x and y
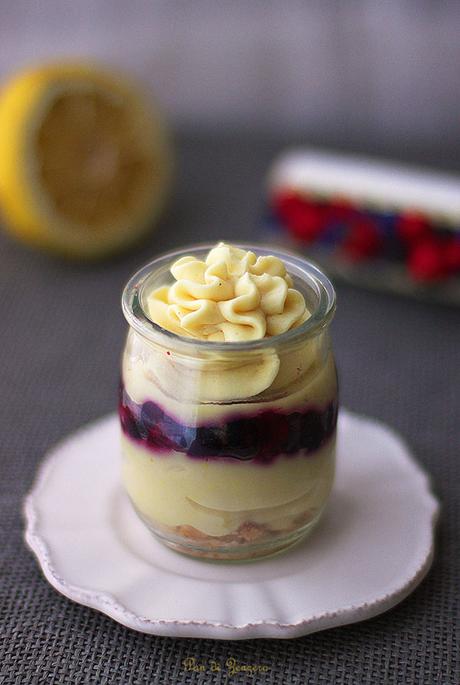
200, 390
216, 497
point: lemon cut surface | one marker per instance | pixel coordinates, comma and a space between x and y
85, 161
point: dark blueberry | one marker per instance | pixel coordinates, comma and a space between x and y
392, 247
173, 433
273, 434
311, 431
158, 440
386, 221
295, 432
208, 442
151, 414
241, 438
187, 437
165, 433
333, 233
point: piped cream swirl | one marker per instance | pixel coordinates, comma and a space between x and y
232, 296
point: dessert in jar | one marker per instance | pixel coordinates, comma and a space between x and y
228, 399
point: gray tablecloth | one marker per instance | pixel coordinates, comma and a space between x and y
61, 334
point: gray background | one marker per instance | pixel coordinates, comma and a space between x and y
61, 335
380, 70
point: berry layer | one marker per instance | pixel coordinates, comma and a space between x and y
260, 437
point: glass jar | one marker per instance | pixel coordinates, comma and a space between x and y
229, 448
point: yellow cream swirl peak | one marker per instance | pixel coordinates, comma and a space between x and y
231, 296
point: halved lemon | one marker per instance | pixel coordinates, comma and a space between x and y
85, 161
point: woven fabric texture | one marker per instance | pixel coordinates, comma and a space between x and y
61, 334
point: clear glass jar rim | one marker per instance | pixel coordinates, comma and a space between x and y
295, 264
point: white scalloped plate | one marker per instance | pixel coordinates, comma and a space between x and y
372, 547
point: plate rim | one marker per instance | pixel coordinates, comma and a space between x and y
107, 604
